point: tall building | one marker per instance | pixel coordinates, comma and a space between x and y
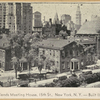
27, 17
7, 19
37, 23
78, 17
16, 17
65, 19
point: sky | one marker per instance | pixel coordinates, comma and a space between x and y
49, 9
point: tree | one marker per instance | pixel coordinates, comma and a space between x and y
15, 64
40, 66
29, 60
63, 33
4, 31
48, 63
16, 42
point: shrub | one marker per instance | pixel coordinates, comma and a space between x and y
66, 83
90, 78
58, 84
62, 77
98, 75
75, 82
55, 80
70, 82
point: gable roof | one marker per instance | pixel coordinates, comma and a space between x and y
55, 43
90, 27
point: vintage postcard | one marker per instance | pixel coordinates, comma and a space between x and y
49, 49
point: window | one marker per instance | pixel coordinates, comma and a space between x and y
53, 52
68, 65
70, 52
57, 63
72, 65
82, 63
63, 65
77, 53
73, 53
63, 54
43, 51
50, 52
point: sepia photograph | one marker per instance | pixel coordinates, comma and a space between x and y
50, 44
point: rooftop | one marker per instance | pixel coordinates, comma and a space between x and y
55, 43
90, 27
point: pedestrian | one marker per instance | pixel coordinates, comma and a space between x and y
18, 85
35, 80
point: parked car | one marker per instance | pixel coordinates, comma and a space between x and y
23, 85
94, 85
73, 75
23, 76
62, 76
85, 72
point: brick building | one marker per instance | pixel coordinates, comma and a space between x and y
5, 54
68, 54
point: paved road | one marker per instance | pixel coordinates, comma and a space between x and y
6, 76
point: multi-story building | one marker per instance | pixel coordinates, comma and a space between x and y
5, 54
16, 17
91, 29
26, 17
68, 54
78, 18
37, 23
52, 28
65, 19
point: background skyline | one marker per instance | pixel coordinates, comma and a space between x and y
49, 9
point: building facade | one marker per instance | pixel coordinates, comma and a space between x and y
78, 18
37, 23
51, 29
5, 54
12, 17
27, 17
65, 19
67, 54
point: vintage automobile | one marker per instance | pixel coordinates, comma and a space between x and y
93, 85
